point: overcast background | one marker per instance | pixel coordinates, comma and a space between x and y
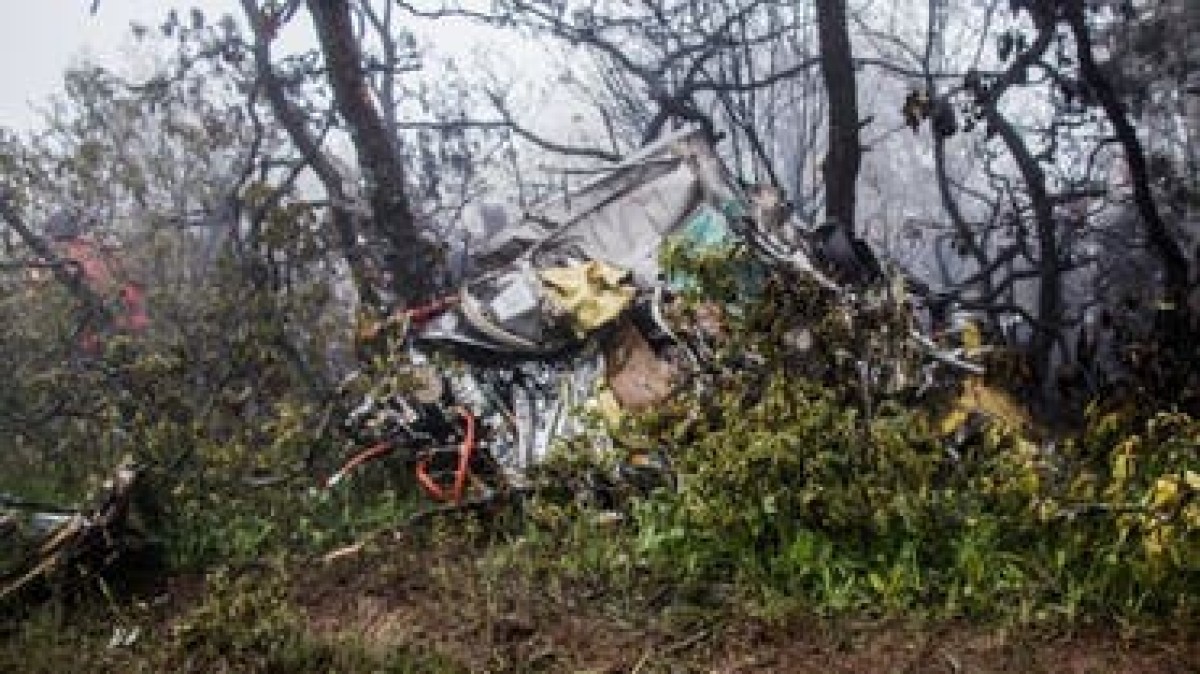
39, 40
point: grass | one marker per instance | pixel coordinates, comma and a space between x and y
248, 624
797, 512
469, 596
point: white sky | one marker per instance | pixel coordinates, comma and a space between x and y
39, 39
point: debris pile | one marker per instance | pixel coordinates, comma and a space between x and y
590, 320
47, 543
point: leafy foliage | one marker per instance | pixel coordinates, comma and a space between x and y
793, 491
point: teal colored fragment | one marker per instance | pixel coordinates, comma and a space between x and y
734, 208
708, 232
706, 229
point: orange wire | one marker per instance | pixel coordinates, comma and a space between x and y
424, 313
465, 452
370, 454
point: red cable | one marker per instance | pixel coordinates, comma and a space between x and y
427, 312
370, 454
465, 452
432, 488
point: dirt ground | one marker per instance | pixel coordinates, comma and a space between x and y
470, 618
515, 628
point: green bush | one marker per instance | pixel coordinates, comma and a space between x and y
796, 497
806, 488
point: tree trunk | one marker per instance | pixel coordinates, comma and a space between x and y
844, 154
1050, 270
292, 119
1174, 261
412, 257
65, 271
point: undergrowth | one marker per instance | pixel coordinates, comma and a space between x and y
808, 479
245, 622
809, 482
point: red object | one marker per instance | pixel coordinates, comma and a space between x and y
431, 310
100, 269
133, 300
431, 486
95, 263
370, 454
436, 490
